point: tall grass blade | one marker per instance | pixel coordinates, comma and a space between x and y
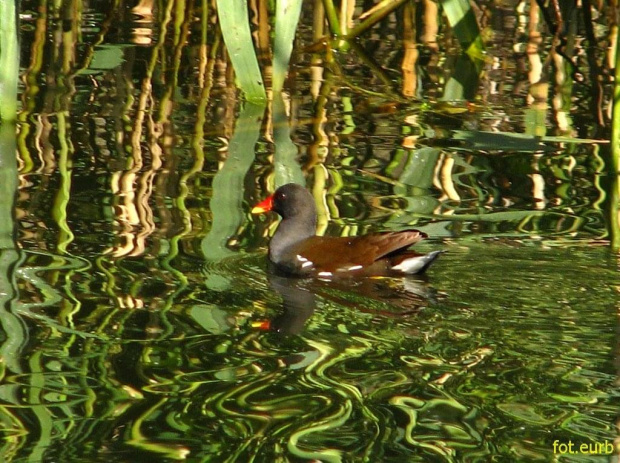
287, 17
465, 26
235, 24
9, 60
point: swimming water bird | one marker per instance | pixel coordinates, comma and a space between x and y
296, 250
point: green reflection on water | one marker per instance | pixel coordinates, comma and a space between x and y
510, 352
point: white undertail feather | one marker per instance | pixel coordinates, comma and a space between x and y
416, 264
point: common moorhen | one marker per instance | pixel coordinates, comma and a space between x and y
295, 249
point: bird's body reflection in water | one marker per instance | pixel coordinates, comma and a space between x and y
388, 297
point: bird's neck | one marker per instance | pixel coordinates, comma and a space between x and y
290, 232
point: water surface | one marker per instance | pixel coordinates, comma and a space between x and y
139, 321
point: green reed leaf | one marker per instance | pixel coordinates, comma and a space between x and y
9, 60
287, 17
463, 83
235, 24
465, 26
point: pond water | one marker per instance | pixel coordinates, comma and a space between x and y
140, 323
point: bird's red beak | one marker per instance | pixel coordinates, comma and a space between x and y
263, 206
263, 325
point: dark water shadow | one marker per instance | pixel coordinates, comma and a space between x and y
387, 297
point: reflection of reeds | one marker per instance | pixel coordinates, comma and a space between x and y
152, 111
145, 135
411, 52
12, 325
614, 210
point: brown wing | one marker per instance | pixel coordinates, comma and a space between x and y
332, 254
